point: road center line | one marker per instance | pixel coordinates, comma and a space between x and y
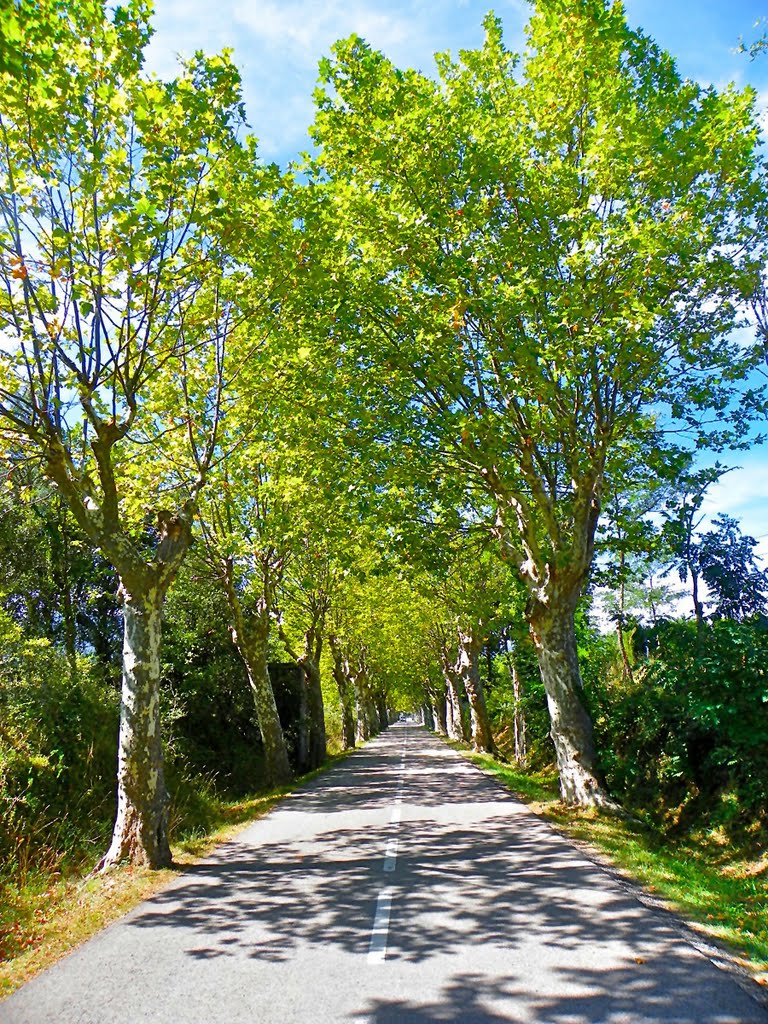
390, 854
377, 950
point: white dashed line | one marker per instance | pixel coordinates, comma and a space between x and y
390, 855
377, 950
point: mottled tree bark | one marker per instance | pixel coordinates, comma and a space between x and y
367, 718
250, 634
455, 724
342, 674
555, 579
309, 661
519, 727
302, 746
554, 636
140, 834
468, 670
362, 722
454, 721
317, 736
440, 712
253, 651
381, 711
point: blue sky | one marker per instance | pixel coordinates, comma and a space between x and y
278, 43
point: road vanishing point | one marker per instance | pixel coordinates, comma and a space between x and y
403, 886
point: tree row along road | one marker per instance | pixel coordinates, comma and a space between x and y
403, 885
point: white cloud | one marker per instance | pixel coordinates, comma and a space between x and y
307, 30
743, 494
277, 45
736, 491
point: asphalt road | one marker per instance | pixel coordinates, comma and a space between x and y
402, 886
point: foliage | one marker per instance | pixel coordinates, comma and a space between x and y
737, 585
527, 278
209, 720
532, 705
689, 737
57, 754
51, 583
107, 204
475, 326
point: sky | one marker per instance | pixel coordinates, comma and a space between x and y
277, 45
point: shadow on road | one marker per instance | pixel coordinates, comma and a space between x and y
521, 889
618, 997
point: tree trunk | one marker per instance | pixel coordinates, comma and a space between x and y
382, 712
363, 725
553, 632
302, 746
250, 634
698, 607
317, 738
348, 727
455, 721
277, 769
449, 726
625, 662
141, 827
367, 718
518, 716
427, 717
468, 668
627, 667
440, 714
342, 675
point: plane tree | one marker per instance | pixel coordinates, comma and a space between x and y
245, 525
537, 264
117, 328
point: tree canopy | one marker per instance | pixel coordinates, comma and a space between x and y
378, 403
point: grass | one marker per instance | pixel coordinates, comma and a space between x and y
52, 913
719, 886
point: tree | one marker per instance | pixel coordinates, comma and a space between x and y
539, 261
631, 547
244, 522
115, 324
467, 586
683, 517
345, 678
50, 580
307, 592
726, 558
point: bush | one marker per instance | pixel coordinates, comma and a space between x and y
691, 732
58, 742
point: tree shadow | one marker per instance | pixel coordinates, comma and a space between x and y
619, 996
475, 872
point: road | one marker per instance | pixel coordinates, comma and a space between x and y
401, 886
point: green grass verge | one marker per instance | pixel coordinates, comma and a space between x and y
720, 887
53, 911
